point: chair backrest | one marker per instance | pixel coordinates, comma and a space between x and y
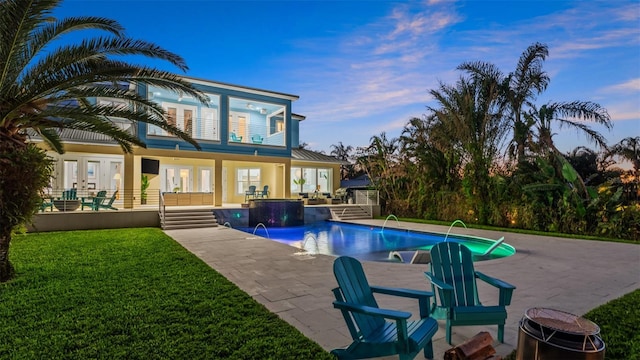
452, 263
100, 197
113, 197
71, 194
265, 190
354, 288
252, 190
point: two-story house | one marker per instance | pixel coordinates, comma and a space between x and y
248, 137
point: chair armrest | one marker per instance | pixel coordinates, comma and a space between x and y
409, 293
437, 283
422, 296
506, 289
373, 311
494, 281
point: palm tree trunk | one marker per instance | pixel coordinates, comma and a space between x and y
6, 269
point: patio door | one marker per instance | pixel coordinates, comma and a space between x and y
176, 178
89, 175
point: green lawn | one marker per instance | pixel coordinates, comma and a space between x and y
134, 294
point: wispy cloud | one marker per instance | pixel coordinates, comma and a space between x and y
387, 63
631, 85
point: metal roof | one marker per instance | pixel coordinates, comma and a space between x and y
313, 156
78, 137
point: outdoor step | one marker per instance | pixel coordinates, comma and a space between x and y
189, 216
349, 213
188, 219
187, 226
191, 221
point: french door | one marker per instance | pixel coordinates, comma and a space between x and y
90, 174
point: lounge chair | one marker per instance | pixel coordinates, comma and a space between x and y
453, 280
235, 138
373, 336
256, 139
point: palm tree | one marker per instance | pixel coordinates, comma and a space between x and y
45, 86
568, 114
520, 89
628, 149
344, 153
471, 111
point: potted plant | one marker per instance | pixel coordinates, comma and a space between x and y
300, 182
144, 185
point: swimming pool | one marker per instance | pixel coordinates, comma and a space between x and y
370, 242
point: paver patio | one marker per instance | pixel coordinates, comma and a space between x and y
565, 274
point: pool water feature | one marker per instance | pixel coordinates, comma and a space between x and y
371, 242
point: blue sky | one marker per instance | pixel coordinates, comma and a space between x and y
364, 67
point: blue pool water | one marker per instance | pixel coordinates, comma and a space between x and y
369, 242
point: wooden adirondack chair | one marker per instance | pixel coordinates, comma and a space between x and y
93, 203
372, 335
453, 280
71, 194
109, 205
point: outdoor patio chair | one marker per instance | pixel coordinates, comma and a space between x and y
94, 202
235, 138
373, 336
46, 203
71, 194
256, 139
250, 193
453, 280
264, 193
109, 205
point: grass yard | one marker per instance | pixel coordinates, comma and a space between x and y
134, 294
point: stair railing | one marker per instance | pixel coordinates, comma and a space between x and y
162, 209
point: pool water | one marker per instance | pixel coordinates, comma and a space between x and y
370, 242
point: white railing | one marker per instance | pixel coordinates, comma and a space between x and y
366, 197
161, 209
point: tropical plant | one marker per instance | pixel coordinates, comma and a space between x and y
520, 89
628, 149
473, 111
144, 186
344, 153
46, 85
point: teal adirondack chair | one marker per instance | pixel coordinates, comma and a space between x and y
109, 205
453, 280
373, 336
46, 203
71, 194
251, 193
264, 193
93, 203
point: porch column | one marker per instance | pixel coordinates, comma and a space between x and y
287, 179
217, 183
129, 183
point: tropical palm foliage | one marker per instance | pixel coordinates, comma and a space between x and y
47, 84
485, 153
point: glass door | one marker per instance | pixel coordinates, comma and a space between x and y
176, 178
